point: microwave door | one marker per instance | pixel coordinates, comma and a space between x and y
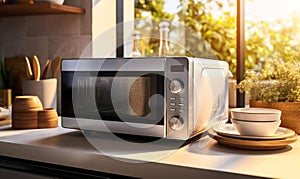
130, 97
119, 92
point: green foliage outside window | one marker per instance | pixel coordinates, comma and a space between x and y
212, 25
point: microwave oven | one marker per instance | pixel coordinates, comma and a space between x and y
167, 97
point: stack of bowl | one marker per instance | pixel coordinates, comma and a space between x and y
256, 121
28, 113
47, 118
25, 112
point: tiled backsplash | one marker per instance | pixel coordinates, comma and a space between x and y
47, 36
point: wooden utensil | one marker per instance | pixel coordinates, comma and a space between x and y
29, 75
46, 69
55, 66
36, 68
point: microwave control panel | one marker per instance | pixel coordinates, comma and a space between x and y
176, 85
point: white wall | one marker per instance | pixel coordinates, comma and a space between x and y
104, 26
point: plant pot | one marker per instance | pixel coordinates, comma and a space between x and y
290, 116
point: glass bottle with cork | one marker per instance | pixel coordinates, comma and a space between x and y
164, 41
135, 52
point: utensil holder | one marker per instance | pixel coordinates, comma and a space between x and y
45, 89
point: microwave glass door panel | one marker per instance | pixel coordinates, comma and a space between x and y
136, 97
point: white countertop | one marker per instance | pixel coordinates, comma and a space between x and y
203, 158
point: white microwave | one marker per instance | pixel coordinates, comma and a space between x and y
167, 97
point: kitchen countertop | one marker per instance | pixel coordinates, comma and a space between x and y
105, 153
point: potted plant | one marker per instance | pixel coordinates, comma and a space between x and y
276, 86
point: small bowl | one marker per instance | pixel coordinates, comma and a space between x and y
25, 103
47, 114
256, 128
256, 114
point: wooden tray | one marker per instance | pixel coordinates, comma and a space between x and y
252, 144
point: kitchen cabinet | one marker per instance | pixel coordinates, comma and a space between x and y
39, 8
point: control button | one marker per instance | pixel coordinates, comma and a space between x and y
176, 123
172, 104
181, 104
175, 86
172, 109
172, 99
181, 110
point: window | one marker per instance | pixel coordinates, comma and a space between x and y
207, 28
272, 32
199, 28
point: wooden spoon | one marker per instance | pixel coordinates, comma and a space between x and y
46, 69
55, 67
29, 74
36, 68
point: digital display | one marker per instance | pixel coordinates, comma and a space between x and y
177, 68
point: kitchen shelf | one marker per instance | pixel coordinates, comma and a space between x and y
38, 8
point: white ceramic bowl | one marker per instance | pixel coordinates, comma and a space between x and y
256, 128
256, 114
54, 1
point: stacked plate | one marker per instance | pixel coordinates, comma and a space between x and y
227, 135
254, 129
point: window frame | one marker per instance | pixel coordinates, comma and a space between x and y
240, 50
